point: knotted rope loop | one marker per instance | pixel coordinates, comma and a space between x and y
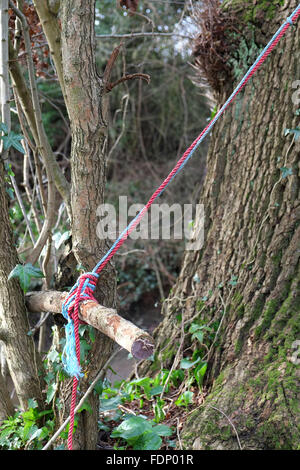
82, 290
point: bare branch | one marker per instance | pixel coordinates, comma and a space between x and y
24, 95
148, 34
132, 76
50, 25
49, 160
138, 342
4, 77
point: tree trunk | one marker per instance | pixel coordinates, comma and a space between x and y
87, 112
18, 346
14, 326
246, 277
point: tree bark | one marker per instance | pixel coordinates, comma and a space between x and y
87, 112
248, 269
6, 406
126, 334
19, 347
14, 326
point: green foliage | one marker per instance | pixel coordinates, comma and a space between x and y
24, 273
140, 433
11, 139
198, 331
23, 430
185, 399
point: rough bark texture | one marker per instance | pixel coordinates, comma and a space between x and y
6, 405
251, 232
19, 347
87, 111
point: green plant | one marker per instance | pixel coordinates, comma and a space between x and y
24, 429
185, 399
140, 433
25, 273
11, 139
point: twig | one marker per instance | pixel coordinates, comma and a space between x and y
132, 76
126, 98
178, 434
43, 142
20, 202
39, 324
141, 34
230, 422
110, 63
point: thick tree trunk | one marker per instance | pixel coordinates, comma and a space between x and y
249, 265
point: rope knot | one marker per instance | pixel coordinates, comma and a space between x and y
82, 290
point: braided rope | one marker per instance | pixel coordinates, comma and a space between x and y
86, 283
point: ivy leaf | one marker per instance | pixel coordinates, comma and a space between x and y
53, 355
110, 403
187, 364
84, 349
199, 335
59, 238
199, 372
156, 390
51, 392
98, 387
24, 273
195, 327
32, 403
13, 140
148, 441
3, 127
92, 334
162, 430
132, 427
233, 281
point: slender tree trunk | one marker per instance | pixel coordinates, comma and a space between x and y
14, 326
246, 277
4, 81
87, 112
